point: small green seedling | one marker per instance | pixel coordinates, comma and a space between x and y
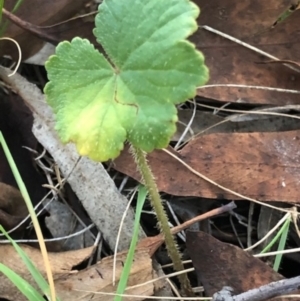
130, 92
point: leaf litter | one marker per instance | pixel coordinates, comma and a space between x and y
269, 147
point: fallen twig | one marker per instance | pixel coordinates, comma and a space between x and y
265, 292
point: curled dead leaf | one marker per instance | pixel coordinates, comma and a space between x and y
12, 207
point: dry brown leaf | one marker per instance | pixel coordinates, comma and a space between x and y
220, 264
208, 123
12, 207
99, 278
80, 25
38, 12
264, 166
226, 264
68, 283
231, 63
61, 264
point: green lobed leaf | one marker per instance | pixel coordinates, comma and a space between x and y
99, 102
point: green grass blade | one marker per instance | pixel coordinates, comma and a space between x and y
14, 170
33, 216
23, 286
276, 237
17, 5
37, 276
282, 244
142, 193
15, 8
287, 13
1, 6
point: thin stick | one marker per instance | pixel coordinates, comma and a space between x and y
201, 217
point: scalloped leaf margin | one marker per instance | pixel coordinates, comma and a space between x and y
131, 92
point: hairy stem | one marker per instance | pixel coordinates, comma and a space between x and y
162, 218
